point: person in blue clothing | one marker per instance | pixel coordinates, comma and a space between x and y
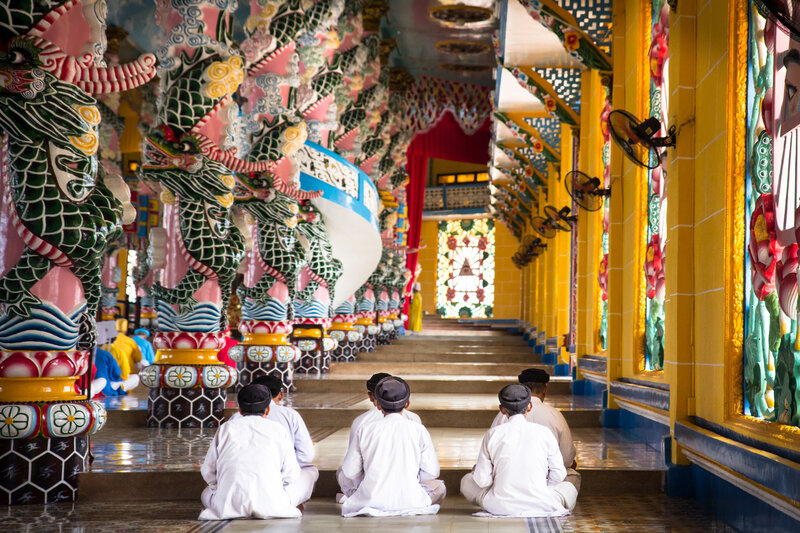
108, 376
140, 338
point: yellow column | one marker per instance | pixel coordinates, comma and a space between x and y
626, 217
541, 277
679, 306
590, 225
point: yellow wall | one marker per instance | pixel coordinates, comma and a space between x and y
627, 214
590, 225
429, 237
507, 276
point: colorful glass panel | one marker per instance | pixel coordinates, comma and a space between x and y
465, 271
772, 348
656, 201
602, 268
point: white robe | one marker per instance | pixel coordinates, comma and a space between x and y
349, 486
293, 422
251, 471
392, 457
551, 418
508, 451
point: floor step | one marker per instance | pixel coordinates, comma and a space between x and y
329, 417
366, 369
440, 347
474, 337
188, 485
430, 383
429, 356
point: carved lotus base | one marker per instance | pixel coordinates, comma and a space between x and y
185, 408
250, 370
41, 470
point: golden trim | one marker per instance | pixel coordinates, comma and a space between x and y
38, 389
342, 326
265, 339
310, 333
640, 249
773, 433
364, 321
180, 356
734, 212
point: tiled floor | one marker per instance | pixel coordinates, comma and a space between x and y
137, 399
592, 514
142, 449
149, 450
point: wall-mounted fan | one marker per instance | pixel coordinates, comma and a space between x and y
543, 227
586, 191
560, 218
785, 15
637, 138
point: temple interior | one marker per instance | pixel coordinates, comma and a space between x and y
195, 194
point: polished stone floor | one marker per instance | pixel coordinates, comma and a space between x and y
143, 449
647, 513
125, 449
137, 400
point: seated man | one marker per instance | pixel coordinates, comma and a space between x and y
393, 466
519, 471
536, 380
288, 418
108, 376
148, 355
373, 415
250, 466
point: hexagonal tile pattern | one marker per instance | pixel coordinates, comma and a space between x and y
249, 370
41, 470
185, 408
366, 344
315, 362
345, 352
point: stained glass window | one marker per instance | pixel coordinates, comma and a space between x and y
465, 270
602, 266
771, 347
656, 192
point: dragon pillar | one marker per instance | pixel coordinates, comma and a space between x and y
59, 211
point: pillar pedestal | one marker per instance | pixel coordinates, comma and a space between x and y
343, 331
187, 383
386, 329
316, 348
369, 331
265, 349
43, 445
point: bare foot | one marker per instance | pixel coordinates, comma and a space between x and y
301, 507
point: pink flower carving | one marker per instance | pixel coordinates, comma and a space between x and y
764, 247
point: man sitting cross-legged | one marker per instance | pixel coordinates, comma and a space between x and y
288, 418
519, 471
250, 467
374, 414
392, 463
536, 380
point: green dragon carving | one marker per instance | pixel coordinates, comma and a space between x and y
281, 255
63, 209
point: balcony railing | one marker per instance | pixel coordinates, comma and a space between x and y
468, 196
